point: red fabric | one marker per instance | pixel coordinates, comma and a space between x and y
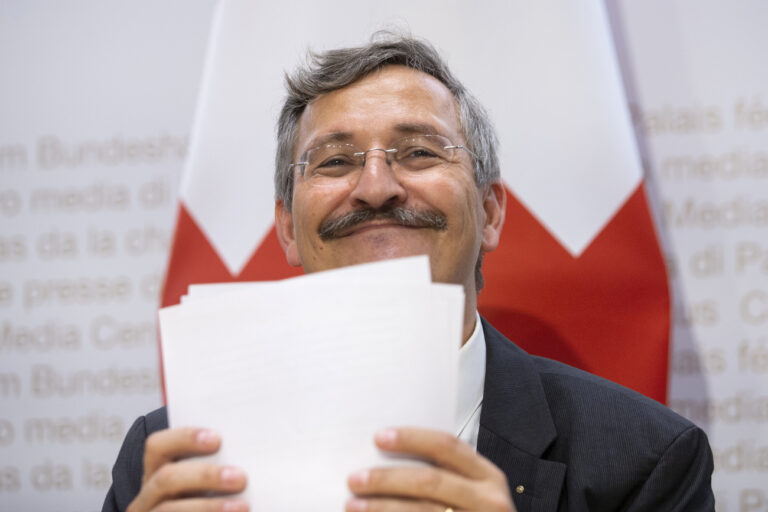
607, 311
194, 260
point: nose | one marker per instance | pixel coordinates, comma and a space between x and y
378, 184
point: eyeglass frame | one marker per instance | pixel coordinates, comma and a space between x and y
387, 151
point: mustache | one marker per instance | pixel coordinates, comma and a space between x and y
335, 228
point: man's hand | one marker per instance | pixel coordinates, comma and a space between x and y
461, 479
171, 483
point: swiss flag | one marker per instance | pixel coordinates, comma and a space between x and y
579, 275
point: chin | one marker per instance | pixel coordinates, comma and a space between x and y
382, 255
387, 243
379, 253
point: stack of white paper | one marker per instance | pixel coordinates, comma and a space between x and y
298, 375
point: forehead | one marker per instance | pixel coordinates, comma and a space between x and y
377, 106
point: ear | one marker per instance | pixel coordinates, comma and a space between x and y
286, 234
495, 207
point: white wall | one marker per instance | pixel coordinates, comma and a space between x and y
700, 94
96, 100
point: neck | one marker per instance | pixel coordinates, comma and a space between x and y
470, 317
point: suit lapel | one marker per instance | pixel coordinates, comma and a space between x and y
516, 426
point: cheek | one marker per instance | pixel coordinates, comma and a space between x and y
310, 208
305, 225
454, 196
471, 217
460, 202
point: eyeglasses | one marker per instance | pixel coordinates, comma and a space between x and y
338, 163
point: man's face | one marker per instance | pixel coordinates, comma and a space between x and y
374, 112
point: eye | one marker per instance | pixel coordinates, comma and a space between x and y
336, 161
418, 152
333, 166
417, 157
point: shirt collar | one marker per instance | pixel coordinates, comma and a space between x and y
471, 377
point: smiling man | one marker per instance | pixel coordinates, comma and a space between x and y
384, 171
382, 153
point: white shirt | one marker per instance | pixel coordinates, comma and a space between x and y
471, 378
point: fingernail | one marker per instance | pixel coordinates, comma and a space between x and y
386, 437
230, 475
207, 438
357, 505
360, 477
234, 506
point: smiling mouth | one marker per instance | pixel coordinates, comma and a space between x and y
364, 219
370, 226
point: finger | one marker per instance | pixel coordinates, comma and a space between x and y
442, 448
419, 483
392, 505
203, 505
172, 444
186, 479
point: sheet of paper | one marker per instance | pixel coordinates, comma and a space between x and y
298, 383
414, 269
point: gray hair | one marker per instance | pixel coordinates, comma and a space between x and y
335, 69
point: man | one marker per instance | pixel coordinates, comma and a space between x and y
382, 153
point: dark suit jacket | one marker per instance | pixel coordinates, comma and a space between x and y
567, 441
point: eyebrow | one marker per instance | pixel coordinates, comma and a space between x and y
416, 128
400, 128
329, 138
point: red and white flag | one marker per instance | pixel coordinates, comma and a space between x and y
579, 275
